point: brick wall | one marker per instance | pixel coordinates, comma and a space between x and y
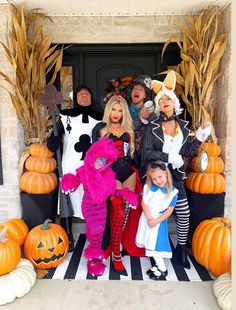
132, 29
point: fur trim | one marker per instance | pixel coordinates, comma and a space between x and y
96, 268
69, 182
92, 253
127, 195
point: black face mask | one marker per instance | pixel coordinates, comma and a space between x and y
166, 118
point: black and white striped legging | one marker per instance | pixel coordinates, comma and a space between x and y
182, 213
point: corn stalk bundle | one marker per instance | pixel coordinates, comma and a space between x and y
201, 50
31, 56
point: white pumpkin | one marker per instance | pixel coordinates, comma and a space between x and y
18, 282
222, 288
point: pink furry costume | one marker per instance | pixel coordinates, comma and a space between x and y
99, 183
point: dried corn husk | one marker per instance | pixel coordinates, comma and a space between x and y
201, 50
31, 56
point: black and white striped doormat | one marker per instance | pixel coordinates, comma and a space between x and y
75, 267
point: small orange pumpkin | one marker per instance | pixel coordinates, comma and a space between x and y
40, 164
211, 149
39, 178
10, 253
38, 183
215, 165
205, 183
40, 150
211, 245
17, 229
46, 246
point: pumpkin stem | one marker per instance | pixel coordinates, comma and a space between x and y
2, 235
45, 225
225, 223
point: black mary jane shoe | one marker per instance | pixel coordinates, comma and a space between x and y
152, 276
151, 271
164, 273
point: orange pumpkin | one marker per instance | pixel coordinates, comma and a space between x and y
211, 245
10, 253
46, 246
17, 229
211, 149
40, 150
40, 164
39, 179
38, 183
215, 165
205, 183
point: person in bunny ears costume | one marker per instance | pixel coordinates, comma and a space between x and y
167, 139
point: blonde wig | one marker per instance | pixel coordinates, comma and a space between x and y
126, 121
153, 167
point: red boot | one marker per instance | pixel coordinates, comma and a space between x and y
117, 211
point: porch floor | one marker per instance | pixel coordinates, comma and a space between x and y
107, 294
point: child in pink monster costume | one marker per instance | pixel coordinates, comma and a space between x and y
99, 183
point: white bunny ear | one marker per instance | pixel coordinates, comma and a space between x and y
157, 86
170, 80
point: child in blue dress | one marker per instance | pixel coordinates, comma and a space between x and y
158, 202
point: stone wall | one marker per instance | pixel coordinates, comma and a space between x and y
113, 29
11, 138
223, 109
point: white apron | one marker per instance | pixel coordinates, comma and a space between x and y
147, 236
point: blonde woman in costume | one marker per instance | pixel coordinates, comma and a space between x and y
117, 126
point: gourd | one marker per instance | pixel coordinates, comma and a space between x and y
17, 229
46, 245
39, 177
10, 253
222, 288
211, 245
212, 149
215, 165
209, 181
18, 282
205, 183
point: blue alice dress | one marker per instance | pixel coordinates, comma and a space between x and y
155, 240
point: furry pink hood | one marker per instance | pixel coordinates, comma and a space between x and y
100, 183
104, 148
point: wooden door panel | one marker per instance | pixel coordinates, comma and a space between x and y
94, 64
101, 68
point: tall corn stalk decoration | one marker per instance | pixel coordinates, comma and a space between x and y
201, 50
31, 57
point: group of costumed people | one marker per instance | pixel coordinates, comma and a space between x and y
124, 172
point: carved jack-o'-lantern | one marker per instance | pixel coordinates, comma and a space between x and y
46, 246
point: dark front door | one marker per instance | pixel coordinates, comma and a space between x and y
94, 65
